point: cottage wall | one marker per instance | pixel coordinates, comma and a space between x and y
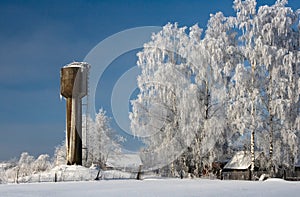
236, 175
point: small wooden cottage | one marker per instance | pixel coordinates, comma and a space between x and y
238, 168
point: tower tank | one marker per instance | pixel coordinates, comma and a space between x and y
73, 80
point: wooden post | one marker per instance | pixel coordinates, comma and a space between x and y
139, 174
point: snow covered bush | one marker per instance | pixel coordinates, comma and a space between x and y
42, 163
24, 167
27, 165
3, 178
60, 154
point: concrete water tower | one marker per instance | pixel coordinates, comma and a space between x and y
73, 78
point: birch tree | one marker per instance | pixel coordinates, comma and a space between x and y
160, 111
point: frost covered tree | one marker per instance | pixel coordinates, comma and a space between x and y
247, 96
160, 111
100, 140
212, 60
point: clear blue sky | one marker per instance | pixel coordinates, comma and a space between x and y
37, 38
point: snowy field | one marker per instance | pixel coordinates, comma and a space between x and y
154, 187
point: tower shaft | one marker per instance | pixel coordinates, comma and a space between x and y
74, 131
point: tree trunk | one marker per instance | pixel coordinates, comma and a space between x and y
252, 141
271, 131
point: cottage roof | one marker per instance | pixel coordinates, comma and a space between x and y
241, 160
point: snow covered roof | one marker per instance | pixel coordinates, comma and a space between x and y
241, 160
78, 64
124, 161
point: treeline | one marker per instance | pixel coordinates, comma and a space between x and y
207, 94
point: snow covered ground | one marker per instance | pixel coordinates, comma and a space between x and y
154, 187
118, 183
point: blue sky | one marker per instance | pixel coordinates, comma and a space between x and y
37, 38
